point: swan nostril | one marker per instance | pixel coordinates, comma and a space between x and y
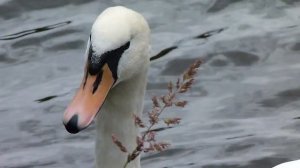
72, 125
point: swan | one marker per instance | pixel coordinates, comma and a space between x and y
291, 164
114, 83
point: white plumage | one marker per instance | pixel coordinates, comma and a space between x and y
291, 164
114, 27
117, 62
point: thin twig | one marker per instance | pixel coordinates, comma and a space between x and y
182, 85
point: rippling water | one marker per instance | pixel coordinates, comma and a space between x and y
243, 112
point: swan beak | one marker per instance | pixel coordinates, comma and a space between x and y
88, 100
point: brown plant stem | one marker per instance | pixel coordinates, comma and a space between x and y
138, 150
182, 85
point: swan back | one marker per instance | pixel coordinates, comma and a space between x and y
291, 164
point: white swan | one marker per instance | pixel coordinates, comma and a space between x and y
291, 164
115, 81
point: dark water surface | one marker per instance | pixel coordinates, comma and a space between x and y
242, 113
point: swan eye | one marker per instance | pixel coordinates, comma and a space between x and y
111, 58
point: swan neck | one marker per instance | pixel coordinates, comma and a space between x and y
116, 117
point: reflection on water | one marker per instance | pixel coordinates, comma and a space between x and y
31, 31
242, 113
209, 33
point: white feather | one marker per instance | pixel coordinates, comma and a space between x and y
112, 29
291, 164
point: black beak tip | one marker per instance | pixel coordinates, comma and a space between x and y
72, 125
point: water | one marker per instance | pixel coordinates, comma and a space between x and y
242, 112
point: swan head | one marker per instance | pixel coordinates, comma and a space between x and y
117, 50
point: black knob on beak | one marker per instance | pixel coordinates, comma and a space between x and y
72, 125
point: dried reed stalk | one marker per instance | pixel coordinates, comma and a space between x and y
147, 141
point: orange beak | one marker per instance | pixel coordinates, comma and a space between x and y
88, 100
